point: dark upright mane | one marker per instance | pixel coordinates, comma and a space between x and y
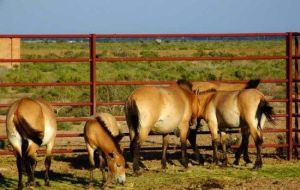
185, 84
113, 138
252, 83
205, 91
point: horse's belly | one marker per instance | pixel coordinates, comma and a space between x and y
231, 120
165, 125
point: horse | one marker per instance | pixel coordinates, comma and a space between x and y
247, 109
29, 124
203, 86
162, 110
102, 136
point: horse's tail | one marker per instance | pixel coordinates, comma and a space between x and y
26, 130
252, 83
264, 108
132, 117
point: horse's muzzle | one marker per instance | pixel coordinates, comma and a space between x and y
121, 179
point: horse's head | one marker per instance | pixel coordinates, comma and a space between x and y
116, 165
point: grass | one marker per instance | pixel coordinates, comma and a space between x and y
71, 172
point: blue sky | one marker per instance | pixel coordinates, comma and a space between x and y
151, 16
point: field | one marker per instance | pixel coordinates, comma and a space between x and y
71, 171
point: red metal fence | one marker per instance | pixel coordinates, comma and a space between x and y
291, 58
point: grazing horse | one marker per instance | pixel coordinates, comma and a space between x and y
30, 124
203, 86
102, 134
162, 110
247, 109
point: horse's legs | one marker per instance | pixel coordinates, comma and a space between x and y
19, 166
258, 161
90, 151
245, 153
192, 137
223, 143
135, 147
27, 160
183, 137
135, 151
212, 125
47, 168
48, 162
258, 139
164, 153
243, 147
102, 163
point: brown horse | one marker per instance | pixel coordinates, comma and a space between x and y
103, 135
203, 86
162, 110
247, 109
30, 124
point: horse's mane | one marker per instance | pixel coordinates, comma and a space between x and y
185, 84
113, 138
197, 92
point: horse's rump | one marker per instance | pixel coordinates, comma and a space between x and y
29, 120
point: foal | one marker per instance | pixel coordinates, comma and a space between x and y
103, 134
246, 108
30, 124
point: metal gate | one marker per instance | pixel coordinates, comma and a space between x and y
291, 80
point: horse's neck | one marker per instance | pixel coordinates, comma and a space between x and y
111, 144
204, 99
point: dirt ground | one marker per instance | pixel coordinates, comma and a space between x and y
70, 171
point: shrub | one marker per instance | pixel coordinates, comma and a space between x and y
65, 126
149, 54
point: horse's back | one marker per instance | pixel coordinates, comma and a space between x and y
110, 122
97, 135
233, 106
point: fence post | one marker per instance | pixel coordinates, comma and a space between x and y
289, 73
296, 141
93, 98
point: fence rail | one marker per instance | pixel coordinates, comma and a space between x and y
291, 57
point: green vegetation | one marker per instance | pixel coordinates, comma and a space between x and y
123, 71
70, 172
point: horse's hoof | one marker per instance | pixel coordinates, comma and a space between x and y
20, 186
248, 161
257, 166
30, 184
138, 173
47, 184
236, 162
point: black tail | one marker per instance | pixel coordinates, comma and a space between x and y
132, 115
27, 132
267, 110
253, 83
